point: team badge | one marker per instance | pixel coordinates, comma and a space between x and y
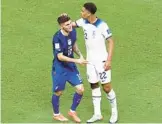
93, 34
69, 41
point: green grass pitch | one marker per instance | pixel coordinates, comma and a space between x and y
27, 30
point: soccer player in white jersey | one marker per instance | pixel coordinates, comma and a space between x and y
96, 32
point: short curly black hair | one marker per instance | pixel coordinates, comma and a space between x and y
91, 7
63, 18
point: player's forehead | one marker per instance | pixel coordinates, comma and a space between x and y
68, 22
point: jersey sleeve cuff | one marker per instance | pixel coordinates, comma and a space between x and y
76, 24
108, 37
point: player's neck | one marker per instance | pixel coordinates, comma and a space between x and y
65, 33
92, 19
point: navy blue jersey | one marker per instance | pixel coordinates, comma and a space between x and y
63, 44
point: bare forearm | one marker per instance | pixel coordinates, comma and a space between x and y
110, 49
61, 57
77, 51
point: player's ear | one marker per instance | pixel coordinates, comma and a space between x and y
61, 25
88, 13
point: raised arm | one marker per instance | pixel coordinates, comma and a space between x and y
74, 24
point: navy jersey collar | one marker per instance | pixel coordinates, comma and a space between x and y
63, 34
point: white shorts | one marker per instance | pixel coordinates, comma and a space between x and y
96, 73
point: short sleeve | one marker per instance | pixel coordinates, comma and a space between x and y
79, 22
106, 32
74, 35
57, 45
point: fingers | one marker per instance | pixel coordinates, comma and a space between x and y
83, 61
107, 67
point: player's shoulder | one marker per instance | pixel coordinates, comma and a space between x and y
57, 36
100, 23
82, 20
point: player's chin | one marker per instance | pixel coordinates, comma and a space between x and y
83, 17
70, 29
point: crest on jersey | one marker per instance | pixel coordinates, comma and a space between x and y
69, 41
93, 34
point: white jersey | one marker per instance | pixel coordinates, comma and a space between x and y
95, 36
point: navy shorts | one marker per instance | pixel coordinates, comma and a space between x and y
59, 80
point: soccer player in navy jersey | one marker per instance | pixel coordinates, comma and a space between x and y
64, 68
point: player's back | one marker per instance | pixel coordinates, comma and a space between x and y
95, 35
63, 44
